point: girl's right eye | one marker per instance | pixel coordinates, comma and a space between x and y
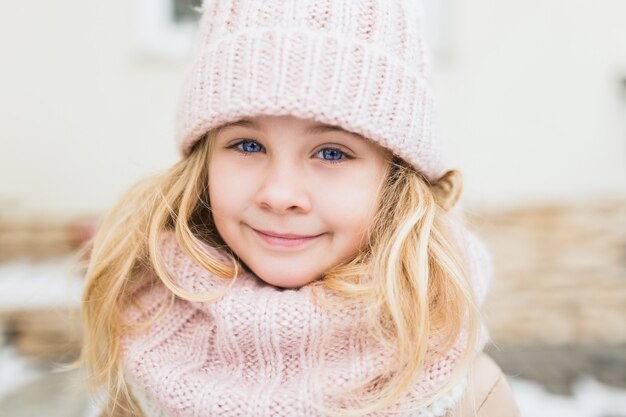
246, 146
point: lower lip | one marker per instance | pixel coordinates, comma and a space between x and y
283, 242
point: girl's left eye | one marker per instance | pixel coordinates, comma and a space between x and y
332, 154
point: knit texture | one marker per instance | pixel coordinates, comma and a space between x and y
261, 350
440, 407
361, 65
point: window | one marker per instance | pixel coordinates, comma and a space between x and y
164, 29
185, 10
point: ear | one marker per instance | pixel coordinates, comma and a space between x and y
447, 189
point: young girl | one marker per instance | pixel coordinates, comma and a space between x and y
303, 257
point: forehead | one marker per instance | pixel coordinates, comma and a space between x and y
306, 126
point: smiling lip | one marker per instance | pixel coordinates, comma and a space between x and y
284, 239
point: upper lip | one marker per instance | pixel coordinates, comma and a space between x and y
284, 235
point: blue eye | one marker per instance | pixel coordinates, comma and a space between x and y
333, 155
247, 146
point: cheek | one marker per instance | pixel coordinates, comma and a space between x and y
226, 189
351, 205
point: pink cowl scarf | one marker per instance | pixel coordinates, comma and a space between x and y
260, 350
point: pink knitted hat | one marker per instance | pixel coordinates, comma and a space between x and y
360, 65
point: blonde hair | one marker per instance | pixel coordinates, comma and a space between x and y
421, 289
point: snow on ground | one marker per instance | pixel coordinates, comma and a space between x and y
590, 399
51, 283
16, 372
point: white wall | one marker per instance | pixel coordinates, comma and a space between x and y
83, 116
531, 99
528, 91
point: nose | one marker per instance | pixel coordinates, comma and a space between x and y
283, 189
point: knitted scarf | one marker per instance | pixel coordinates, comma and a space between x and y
258, 350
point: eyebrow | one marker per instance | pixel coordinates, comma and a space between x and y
241, 123
315, 129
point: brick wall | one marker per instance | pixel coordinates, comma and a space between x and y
560, 274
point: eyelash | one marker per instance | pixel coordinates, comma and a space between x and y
235, 147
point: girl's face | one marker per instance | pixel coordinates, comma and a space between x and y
292, 197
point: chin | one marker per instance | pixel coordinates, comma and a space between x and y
282, 281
